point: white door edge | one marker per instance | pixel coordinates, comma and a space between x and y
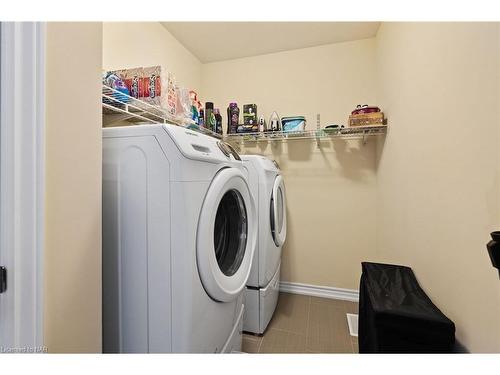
279, 233
219, 286
22, 184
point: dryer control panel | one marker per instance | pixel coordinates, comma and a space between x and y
197, 146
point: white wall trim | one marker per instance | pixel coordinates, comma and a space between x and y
320, 291
22, 183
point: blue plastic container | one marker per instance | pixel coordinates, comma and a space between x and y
293, 124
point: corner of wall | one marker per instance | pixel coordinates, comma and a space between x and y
135, 44
437, 197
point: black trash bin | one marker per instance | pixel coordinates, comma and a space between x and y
396, 316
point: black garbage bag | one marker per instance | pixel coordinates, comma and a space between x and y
396, 316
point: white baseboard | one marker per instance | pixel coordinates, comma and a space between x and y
320, 291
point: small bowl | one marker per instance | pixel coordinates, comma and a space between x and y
495, 236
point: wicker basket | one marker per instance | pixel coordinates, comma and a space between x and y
367, 119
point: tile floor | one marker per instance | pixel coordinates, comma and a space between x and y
303, 324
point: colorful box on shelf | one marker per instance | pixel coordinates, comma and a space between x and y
119, 109
367, 119
152, 84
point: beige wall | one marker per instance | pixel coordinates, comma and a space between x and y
438, 193
72, 316
331, 209
330, 190
328, 79
134, 44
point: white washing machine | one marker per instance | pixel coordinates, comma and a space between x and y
179, 233
268, 189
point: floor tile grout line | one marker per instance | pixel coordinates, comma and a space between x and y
307, 323
285, 330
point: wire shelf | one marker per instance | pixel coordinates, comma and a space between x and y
118, 108
359, 132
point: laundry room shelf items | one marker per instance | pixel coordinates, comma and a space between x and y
359, 132
119, 109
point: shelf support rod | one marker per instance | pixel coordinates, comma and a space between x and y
318, 128
365, 137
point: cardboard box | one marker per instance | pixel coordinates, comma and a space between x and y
152, 84
133, 80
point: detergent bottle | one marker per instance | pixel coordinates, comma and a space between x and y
218, 121
233, 117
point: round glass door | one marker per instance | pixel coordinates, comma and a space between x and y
230, 232
226, 235
278, 212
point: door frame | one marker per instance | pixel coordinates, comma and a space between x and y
22, 183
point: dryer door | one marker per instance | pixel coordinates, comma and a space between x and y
226, 236
278, 212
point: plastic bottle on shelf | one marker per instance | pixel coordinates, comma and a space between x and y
212, 122
209, 108
195, 115
218, 121
201, 121
233, 117
262, 124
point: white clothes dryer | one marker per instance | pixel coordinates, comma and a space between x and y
179, 233
268, 188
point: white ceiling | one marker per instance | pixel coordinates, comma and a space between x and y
215, 41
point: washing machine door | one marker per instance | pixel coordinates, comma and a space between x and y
226, 235
278, 211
